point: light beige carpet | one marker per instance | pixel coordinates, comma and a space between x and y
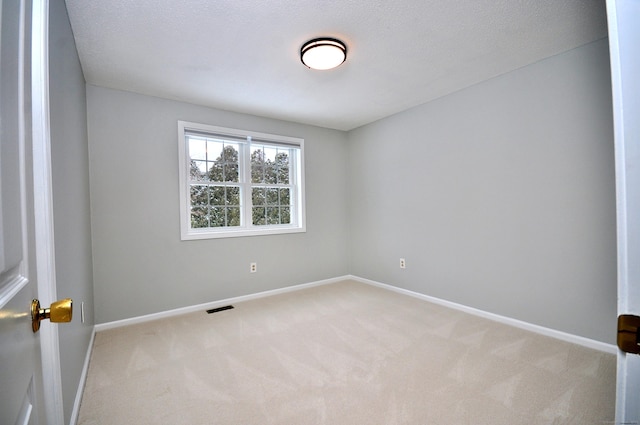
342, 354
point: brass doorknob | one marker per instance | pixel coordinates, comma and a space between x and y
60, 311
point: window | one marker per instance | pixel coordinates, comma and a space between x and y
239, 183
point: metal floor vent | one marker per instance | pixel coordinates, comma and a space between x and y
215, 310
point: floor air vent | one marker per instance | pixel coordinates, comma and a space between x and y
215, 310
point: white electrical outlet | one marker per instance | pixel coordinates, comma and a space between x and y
253, 267
403, 264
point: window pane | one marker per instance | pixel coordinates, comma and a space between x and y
233, 216
231, 153
233, 196
229, 160
216, 171
258, 216
231, 173
197, 148
257, 174
214, 150
270, 153
282, 167
199, 218
258, 196
198, 170
217, 151
285, 197
216, 195
257, 165
217, 217
272, 197
285, 215
273, 215
199, 195
270, 173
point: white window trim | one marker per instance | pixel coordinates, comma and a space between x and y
187, 233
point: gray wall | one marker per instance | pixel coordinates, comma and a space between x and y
72, 225
140, 264
500, 196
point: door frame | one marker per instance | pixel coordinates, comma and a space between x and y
622, 16
43, 206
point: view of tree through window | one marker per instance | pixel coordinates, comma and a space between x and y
215, 192
270, 194
239, 183
215, 189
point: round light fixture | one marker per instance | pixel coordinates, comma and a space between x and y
323, 53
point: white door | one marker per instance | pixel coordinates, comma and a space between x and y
23, 379
624, 41
20, 371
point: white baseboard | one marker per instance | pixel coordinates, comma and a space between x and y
213, 304
574, 339
83, 380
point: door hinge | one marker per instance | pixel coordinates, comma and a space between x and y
629, 333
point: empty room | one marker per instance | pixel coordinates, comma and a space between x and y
312, 212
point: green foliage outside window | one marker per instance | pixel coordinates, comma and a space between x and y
216, 201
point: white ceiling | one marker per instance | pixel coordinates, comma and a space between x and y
243, 55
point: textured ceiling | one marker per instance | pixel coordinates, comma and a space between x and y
243, 56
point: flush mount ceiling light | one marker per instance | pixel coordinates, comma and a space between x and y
323, 53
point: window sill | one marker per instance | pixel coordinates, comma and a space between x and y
226, 233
